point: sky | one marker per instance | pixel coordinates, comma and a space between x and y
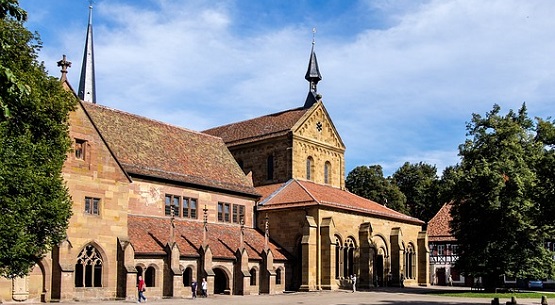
401, 78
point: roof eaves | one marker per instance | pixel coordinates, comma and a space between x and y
218, 185
373, 212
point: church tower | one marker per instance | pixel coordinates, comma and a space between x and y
313, 76
299, 143
87, 90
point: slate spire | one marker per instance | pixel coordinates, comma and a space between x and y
87, 91
313, 76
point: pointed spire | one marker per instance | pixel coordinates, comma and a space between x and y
87, 91
313, 75
64, 63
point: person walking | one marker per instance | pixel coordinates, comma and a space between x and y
194, 289
450, 280
204, 287
141, 287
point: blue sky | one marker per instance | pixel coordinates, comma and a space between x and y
400, 78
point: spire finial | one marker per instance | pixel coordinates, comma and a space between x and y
313, 75
313, 36
64, 64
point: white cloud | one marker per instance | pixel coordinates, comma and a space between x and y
397, 91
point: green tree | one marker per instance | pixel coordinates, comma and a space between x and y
499, 210
10, 9
419, 183
34, 203
369, 182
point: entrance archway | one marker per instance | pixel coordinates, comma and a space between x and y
221, 281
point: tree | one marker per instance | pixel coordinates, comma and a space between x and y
499, 217
419, 183
369, 182
10, 9
34, 203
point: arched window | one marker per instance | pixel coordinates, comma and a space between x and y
187, 276
139, 272
309, 168
349, 257
278, 276
88, 268
253, 277
338, 257
270, 168
150, 277
410, 262
327, 172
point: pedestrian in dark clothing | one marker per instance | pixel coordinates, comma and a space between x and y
194, 289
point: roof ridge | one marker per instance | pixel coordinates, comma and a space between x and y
274, 193
151, 120
255, 118
307, 191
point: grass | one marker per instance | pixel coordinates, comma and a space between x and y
505, 295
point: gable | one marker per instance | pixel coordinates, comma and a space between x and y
97, 159
317, 126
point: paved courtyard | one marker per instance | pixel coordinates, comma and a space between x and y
386, 296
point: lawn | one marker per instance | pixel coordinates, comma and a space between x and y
505, 295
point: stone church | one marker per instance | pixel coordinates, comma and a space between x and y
257, 206
297, 162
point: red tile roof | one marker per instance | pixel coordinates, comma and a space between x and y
439, 227
268, 126
159, 150
295, 193
149, 235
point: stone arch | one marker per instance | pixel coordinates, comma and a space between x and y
222, 278
338, 240
188, 274
279, 275
381, 261
150, 275
91, 266
255, 275
140, 267
349, 248
410, 260
39, 281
